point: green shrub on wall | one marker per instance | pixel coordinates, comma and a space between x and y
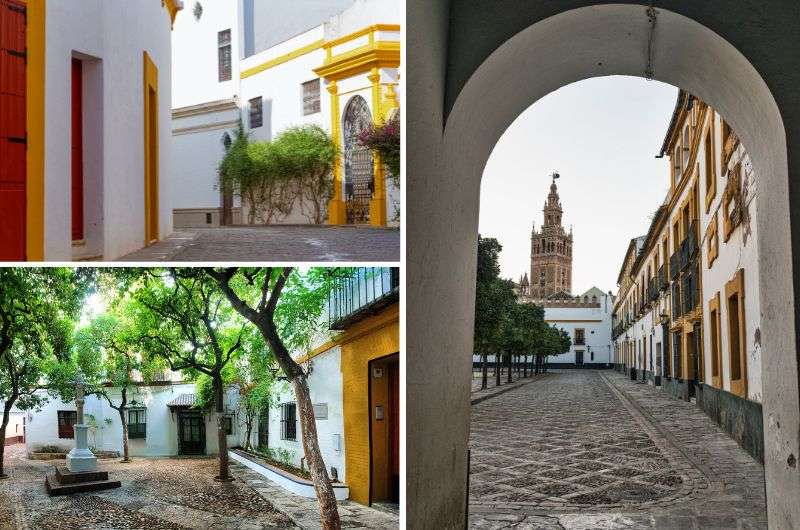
272, 178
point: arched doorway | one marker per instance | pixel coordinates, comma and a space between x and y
467, 86
358, 162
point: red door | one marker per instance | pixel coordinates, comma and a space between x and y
77, 150
12, 130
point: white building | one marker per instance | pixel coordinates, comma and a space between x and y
86, 127
15, 430
335, 65
161, 422
688, 315
587, 320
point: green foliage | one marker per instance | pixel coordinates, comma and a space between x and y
272, 176
385, 140
494, 297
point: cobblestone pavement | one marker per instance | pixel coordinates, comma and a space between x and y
164, 493
275, 243
305, 512
584, 449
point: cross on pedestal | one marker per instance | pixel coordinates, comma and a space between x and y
81, 459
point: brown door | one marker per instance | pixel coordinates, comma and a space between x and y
394, 431
77, 150
191, 433
13, 136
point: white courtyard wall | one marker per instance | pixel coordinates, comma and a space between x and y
325, 384
596, 322
110, 36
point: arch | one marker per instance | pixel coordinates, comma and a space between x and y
449, 147
359, 167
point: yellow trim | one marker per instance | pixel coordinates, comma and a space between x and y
381, 54
272, 63
151, 224
360, 33
34, 107
337, 213
383, 319
377, 205
172, 9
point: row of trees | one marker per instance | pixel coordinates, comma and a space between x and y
218, 326
272, 177
506, 328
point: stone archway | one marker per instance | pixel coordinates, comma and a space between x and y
468, 55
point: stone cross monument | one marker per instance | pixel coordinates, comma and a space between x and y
80, 459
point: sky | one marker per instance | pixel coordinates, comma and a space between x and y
602, 136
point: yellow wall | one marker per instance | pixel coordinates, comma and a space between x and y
34, 186
373, 338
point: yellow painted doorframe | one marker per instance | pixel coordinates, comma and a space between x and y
34, 109
151, 157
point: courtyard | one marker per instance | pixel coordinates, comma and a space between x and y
581, 449
164, 493
292, 243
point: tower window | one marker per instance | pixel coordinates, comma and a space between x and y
256, 113
224, 55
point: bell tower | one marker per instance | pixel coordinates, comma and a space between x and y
551, 250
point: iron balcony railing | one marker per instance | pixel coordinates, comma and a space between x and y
684, 255
661, 279
676, 300
652, 290
674, 268
691, 241
363, 293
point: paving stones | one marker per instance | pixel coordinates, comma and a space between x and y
581, 449
275, 243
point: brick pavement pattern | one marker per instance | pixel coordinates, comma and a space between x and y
275, 243
162, 493
583, 449
304, 511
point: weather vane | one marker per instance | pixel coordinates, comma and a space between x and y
555, 175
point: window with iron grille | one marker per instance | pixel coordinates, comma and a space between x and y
224, 55
256, 113
137, 423
580, 336
289, 421
66, 419
227, 424
311, 100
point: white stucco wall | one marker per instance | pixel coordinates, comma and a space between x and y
596, 323
110, 36
325, 384
195, 53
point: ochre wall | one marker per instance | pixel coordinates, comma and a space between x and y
372, 338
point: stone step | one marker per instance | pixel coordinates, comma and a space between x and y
55, 488
65, 476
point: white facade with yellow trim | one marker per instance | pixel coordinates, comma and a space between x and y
85, 186
353, 55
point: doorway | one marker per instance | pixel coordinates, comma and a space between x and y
77, 151
191, 433
384, 407
359, 163
263, 428
579, 358
151, 156
13, 136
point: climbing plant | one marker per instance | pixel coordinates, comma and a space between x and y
384, 139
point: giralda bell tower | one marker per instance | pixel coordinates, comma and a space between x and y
551, 251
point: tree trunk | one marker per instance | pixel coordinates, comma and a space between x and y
249, 417
124, 421
525, 365
329, 512
222, 437
6, 417
484, 370
497, 369
509, 361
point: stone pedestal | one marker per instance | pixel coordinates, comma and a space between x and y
81, 459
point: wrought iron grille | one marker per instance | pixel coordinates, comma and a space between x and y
358, 162
367, 290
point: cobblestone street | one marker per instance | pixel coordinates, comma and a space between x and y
275, 243
168, 493
583, 449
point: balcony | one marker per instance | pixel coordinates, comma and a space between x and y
661, 279
676, 300
691, 241
365, 292
652, 290
674, 267
689, 286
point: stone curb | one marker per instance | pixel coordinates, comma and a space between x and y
507, 388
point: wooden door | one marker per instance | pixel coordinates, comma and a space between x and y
77, 150
191, 434
394, 431
13, 136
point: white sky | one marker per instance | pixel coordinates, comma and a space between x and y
602, 136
